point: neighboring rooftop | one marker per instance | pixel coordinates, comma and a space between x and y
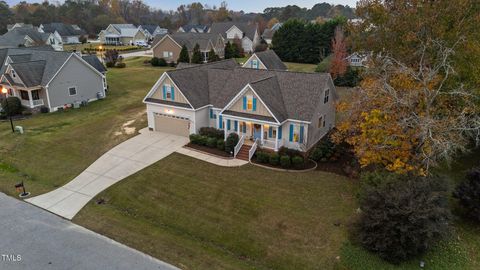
95, 62
18, 36
63, 29
221, 28
271, 60
197, 28
151, 28
190, 39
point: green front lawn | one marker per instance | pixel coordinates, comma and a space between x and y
57, 147
196, 215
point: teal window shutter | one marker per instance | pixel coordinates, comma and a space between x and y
164, 92
270, 131
228, 124
279, 133
211, 113
254, 104
291, 133
301, 134
244, 103
220, 121
235, 125
173, 92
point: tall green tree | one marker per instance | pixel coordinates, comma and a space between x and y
228, 50
212, 56
184, 57
197, 55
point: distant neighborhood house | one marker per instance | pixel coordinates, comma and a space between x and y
269, 32
265, 60
29, 36
169, 46
68, 33
230, 31
273, 108
46, 78
151, 31
357, 59
122, 34
193, 28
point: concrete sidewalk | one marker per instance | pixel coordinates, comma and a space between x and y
122, 161
40, 240
212, 159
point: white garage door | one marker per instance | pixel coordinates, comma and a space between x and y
172, 124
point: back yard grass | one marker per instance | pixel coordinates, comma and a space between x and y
57, 147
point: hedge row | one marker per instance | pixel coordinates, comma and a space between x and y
207, 141
283, 160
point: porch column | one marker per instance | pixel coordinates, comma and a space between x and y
224, 124
261, 133
30, 98
276, 139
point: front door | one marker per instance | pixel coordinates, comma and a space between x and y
257, 131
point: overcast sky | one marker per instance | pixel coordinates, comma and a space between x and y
245, 5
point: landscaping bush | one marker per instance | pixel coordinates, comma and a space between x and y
109, 64
285, 161
274, 159
231, 142
44, 109
297, 161
402, 215
350, 79
203, 140
121, 65
289, 152
12, 106
212, 142
324, 151
211, 132
195, 138
468, 194
158, 62
26, 113
262, 157
221, 144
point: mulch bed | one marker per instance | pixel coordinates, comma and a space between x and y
342, 166
213, 151
309, 164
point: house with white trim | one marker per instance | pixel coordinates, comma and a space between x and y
266, 108
247, 33
357, 59
265, 60
122, 34
52, 79
29, 36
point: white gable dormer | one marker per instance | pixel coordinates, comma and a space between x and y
234, 32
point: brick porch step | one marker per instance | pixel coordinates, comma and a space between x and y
243, 153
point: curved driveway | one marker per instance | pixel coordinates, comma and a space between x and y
122, 161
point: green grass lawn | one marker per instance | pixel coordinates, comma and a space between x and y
299, 67
196, 215
81, 47
57, 147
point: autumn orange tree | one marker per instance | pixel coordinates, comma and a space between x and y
408, 119
338, 66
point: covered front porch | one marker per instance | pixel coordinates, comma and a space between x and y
30, 98
263, 134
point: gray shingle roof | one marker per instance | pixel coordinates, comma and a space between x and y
63, 29
198, 28
222, 28
167, 102
271, 60
190, 39
16, 37
95, 62
289, 95
39, 69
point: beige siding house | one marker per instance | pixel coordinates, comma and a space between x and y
266, 108
122, 34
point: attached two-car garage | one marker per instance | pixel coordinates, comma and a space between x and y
172, 124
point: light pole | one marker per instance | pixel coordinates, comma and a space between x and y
5, 91
101, 54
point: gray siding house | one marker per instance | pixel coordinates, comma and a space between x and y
52, 79
266, 108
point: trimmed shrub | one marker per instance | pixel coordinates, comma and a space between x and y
468, 194
154, 61
262, 157
109, 64
285, 161
324, 151
221, 144
12, 106
274, 159
195, 138
44, 109
212, 142
211, 132
231, 142
297, 161
402, 215
121, 65
289, 152
203, 140
158, 62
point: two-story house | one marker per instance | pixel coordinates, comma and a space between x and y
268, 108
169, 46
68, 33
265, 60
151, 31
29, 36
52, 79
245, 32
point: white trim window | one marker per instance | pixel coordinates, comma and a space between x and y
167, 54
14, 74
72, 91
168, 91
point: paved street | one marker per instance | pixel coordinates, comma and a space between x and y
122, 161
37, 240
147, 53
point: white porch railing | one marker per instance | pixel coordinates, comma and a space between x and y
38, 102
252, 150
25, 103
239, 146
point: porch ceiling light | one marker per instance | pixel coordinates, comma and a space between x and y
170, 111
4, 90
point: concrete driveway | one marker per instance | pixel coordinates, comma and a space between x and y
122, 161
147, 53
34, 239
